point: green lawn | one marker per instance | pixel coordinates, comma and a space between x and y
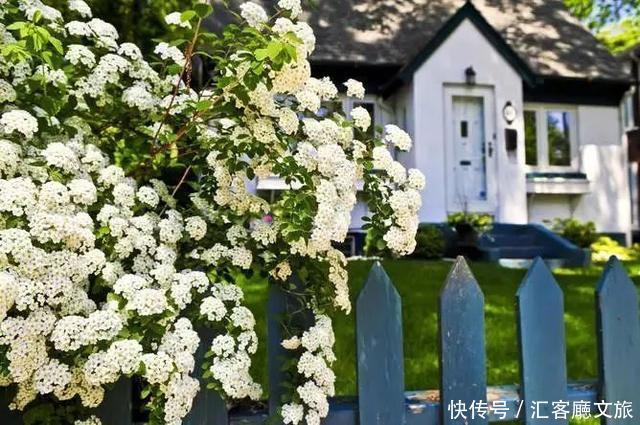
419, 283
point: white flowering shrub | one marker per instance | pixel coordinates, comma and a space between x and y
110, 271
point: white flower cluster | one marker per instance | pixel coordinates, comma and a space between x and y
314, 366
293, 6
232, 351
397, 137
48, 262
354, 88
175, 18
20, 122
89, 257
254, 14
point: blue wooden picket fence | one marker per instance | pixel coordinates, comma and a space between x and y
382, 399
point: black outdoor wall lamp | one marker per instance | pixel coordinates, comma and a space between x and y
470, 76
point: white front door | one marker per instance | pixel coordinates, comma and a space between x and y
470, 148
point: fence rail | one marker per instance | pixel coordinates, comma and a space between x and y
382, 399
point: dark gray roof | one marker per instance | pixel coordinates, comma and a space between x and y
392, 32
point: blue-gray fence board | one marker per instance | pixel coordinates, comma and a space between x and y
423, 407
380, 354
463, 376
281, 305
116, 407
462, 356
618, 324
208, 406
8, 417
540, 308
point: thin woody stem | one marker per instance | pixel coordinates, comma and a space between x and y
187, 61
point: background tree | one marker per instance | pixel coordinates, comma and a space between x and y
137, 21
615, 22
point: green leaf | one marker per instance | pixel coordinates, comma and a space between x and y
174, 69
16, 26
56, 45
145, 392
203, 105
187, 15
203, 10
37, 16
261, 54
273, 49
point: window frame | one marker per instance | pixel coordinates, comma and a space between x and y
348, 103
626, 111
542, 139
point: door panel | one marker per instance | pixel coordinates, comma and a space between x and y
471, 168
469, 149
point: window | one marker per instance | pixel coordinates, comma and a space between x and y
627, 111
558, 137
550, 137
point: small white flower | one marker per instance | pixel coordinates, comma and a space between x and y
196, 227
165, 51
254, 14
292, 343
175, 18
416, 179
292, 6
81, 7
7, 93
361, 118
397, 137
354, 88
79, 54
148, 196
19, 121
292, 413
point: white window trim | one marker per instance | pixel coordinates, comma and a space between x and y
542, 138
627, 102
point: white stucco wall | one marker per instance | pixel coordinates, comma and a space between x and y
419, 107
465, 47
543, 207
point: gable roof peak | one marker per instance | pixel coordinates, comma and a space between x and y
467, 11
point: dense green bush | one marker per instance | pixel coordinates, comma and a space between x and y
430, 243
605, 247
582, 234
480, 222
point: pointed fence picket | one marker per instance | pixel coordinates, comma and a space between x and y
463, 375
543, 371
282, 305
463, 397
379, 346
618, 341
208, 407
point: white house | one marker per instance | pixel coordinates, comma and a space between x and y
513, 105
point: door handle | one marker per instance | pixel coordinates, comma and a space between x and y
465, 163
490, 149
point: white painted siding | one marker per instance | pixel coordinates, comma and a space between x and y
419, 107
602, 157
543, 207
465, 47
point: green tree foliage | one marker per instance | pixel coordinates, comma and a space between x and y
615, 22
137, 21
